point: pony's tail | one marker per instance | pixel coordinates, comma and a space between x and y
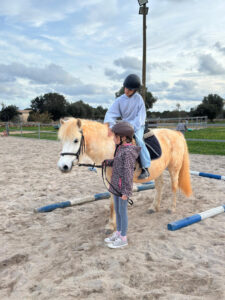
184, 180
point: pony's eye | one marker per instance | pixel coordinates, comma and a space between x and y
75, 141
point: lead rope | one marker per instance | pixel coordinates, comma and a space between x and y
130, 201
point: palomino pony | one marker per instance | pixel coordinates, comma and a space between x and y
92, 137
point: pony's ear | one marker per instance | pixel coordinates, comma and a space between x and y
79, 123
62, 121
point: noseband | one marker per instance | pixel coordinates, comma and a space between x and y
80, 150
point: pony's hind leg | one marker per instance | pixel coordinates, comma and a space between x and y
174, 182
156, 203
111, 226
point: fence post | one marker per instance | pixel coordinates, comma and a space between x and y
7, 128
39, 129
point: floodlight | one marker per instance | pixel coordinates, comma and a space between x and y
142, 2
143, 10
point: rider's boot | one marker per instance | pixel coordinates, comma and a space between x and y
144, 173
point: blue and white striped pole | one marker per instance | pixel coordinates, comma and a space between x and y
195, 218
87, 199
220, 177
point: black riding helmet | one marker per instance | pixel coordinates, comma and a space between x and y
132, 82
123, 129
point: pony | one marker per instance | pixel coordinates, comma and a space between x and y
92, 137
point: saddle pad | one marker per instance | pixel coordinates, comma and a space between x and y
152, 145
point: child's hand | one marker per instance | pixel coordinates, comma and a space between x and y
110, 133
124, 197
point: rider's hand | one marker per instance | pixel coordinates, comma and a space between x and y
124, 197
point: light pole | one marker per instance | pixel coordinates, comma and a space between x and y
143, 10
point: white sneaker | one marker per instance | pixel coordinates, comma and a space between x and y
112, 238
118, 243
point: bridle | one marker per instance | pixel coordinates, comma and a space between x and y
80, 150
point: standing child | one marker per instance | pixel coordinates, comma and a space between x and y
122, 180
130, 107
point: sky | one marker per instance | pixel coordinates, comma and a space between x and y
85, 49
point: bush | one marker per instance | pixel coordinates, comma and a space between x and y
45, 117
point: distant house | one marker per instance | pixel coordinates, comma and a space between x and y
24, 114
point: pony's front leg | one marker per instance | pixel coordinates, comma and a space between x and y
156, 203
111, 226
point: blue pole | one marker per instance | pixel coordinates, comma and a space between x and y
96, 197
208, 175
195, 218
51, 207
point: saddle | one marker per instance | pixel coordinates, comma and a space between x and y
152, 144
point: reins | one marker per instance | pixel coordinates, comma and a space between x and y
103, 166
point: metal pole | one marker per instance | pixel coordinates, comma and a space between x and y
39, 129
144, 55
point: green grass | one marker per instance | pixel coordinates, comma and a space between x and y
217, 133
26, 128
209, 148
43, 136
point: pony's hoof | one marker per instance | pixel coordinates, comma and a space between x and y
150, 211
171, 211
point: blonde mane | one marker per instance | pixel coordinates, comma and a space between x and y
73, 126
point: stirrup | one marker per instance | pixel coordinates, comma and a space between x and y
144, 174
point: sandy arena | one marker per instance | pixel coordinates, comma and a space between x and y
61, 254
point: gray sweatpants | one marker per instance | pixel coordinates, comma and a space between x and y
120, 206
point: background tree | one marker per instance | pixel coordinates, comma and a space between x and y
8, 113
211, 106
208, 110
99, 113
37, 104
215, 100
53, 103
45, 117
80, 109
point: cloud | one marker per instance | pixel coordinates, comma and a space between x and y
163, 65
219, 47
129, 62
114, 75
82, 89
26, 11
159, 86
209, 66
184, 90
49, 74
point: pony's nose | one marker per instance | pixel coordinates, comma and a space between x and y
65, 168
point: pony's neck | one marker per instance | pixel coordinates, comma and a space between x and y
99, 145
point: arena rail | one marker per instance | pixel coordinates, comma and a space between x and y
195, 218
91, 198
